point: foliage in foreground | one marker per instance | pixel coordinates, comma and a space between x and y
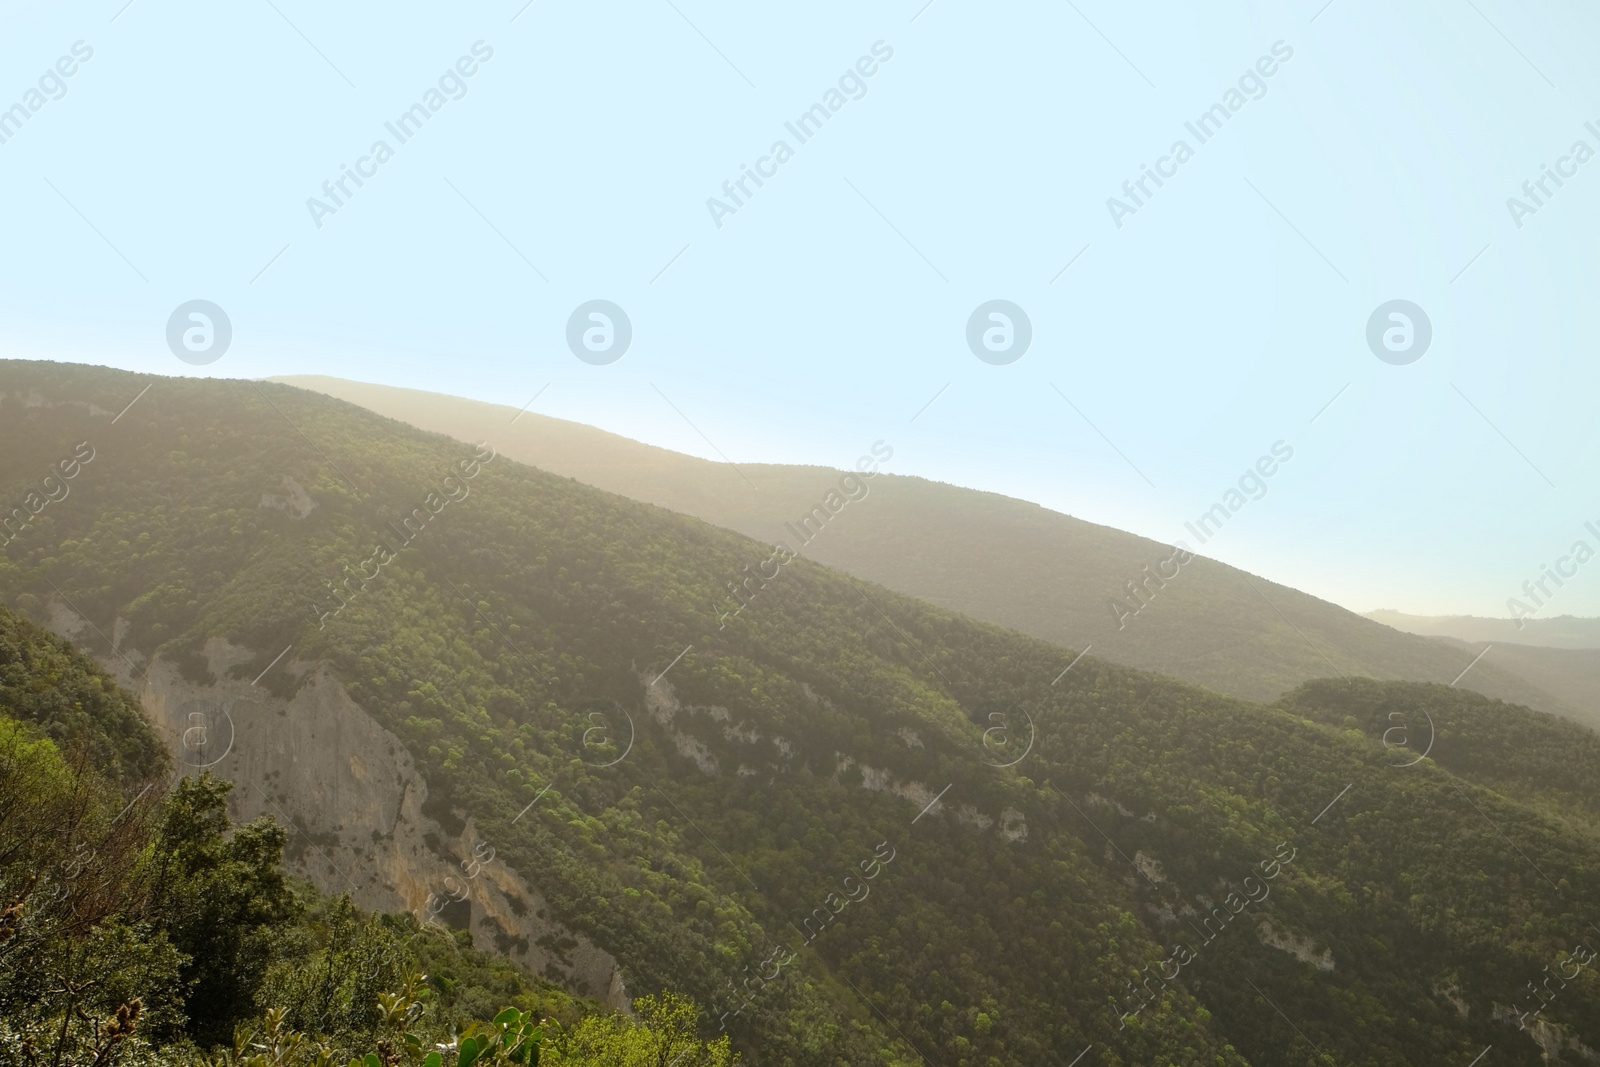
663, 1034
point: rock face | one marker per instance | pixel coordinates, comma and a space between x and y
349, 794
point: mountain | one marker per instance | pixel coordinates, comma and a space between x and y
860, 828
992, 557
1563, 631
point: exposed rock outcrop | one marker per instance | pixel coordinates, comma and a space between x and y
352, 799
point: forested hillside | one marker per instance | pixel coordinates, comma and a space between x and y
46, 684
1538, 759
139, 926
998, 559
856, 827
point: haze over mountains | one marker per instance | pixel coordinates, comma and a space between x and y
1003, 560
1563, 631
966, 845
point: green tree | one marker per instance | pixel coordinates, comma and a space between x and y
665, 1034
223, 901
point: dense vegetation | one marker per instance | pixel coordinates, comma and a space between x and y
772, 816
138, 925
1543, 761
43, 681
1005, 561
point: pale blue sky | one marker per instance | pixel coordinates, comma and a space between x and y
826, 313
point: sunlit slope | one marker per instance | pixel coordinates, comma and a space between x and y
993, 557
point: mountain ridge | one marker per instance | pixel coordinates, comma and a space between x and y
1007, 561
1560, 631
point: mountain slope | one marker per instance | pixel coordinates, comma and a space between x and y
1555, 655
45, 683
801, 811
992, 557
1539, 760
1569, 674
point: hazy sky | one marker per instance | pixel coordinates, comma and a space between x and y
1222, 315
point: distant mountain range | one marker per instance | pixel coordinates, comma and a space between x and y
996, 558
1563, 631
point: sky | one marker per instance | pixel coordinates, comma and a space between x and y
1176, 333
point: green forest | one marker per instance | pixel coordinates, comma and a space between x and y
1080, 858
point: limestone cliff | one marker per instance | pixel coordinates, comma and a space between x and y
351, 797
